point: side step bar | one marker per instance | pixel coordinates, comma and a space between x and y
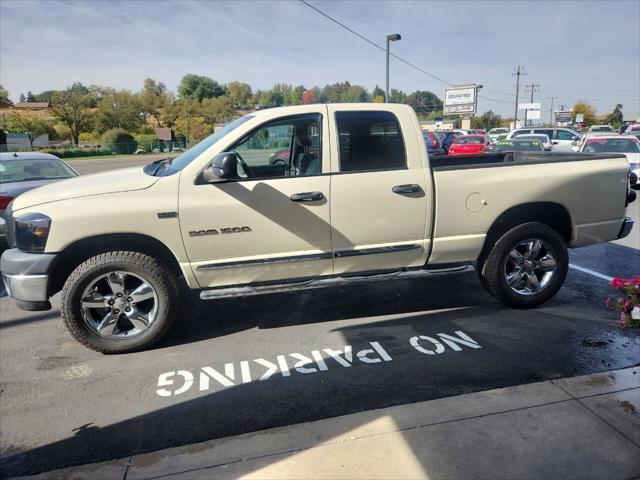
246, 291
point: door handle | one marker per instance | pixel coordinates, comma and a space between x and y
410, 188
307, 197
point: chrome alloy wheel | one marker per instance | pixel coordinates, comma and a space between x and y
530, 266
119, 304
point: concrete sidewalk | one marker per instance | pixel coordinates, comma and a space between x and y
581, 427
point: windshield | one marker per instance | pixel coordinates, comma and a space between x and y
187, 157
601, 128
26, 170
612, 145
518, 146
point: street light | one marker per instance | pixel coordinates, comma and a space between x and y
394, 37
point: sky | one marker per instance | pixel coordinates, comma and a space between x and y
575, 50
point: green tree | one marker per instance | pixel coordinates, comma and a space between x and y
354, 94
488, 120
155, 102
199, 87
378, 92
271, 98
615, 118
396, 96
30, 125
46, 96
424, 102
4, 95
333, 93
239, 93
30, 97
22, 98
118, 110
216, 110
119, 141
73, 108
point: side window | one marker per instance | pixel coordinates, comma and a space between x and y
370, 141
289, 146
564, 135
547, 132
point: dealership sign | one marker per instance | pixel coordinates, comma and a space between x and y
460, 100
214, 377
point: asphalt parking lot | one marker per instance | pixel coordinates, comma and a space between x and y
241, 365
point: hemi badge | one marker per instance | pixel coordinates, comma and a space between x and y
167, 214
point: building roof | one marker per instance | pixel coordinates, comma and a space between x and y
32, 105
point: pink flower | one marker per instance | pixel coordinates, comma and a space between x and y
617, 283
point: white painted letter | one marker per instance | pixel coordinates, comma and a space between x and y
378, 348
415, 343
335, 354
284, 368
164, 380
319, 360
300, 365
244, 370
226, 381
271, 368
453, 341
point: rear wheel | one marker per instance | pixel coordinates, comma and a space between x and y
527, 266
120, 302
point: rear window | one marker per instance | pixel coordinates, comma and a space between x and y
370, 141
611, 145
469, 140
20, 170
518, 146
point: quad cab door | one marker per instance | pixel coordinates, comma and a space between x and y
271, 222
380, 190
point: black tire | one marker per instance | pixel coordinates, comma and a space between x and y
154, 272
492, 269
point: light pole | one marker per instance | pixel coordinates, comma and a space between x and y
394, 37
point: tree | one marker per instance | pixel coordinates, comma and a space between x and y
587, 110
30, 97
22, 98
199, 87
239, 93
119, 141
46, 96
118, 110
216, 110
154, 100
354, 94
378, 92
424, 102
396, 96
615, 118
31, 125
271, 98
309, 97
4, 95
489, 120
72, 107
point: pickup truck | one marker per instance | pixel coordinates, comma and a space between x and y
362, 203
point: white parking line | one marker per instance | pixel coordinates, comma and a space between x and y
590, 272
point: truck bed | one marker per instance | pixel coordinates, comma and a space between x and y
488, 160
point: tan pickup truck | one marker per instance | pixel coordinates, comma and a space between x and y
298, 198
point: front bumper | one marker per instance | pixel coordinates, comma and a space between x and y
625, 230
25, 276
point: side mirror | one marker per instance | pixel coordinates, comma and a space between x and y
555, 143
224, 167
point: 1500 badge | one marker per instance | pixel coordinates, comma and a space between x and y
213, 231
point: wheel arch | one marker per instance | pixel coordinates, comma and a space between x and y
83, 249
551, 214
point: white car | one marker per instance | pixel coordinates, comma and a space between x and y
562, 139
543, 138
627, 144
494, 133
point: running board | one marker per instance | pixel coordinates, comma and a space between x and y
246, 291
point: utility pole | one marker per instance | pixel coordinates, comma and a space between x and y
518, 71
394, 37
534, 88
551, 111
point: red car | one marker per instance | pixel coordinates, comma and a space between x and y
470, 144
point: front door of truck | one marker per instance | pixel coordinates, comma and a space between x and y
273, 221
379, 193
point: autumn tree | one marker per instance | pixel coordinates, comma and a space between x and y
239, 93
587, 110
378, 92
30, 125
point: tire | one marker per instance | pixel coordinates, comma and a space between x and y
502, 266
146, 288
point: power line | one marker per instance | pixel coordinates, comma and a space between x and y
379, 47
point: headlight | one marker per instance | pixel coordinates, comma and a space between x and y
32, 231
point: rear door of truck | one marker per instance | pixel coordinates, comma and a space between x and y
381, 192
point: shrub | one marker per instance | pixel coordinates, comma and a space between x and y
119, 141
145, 141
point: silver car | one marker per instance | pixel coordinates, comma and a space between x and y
23, 171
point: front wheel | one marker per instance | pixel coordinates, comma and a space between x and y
527, 266
119, 302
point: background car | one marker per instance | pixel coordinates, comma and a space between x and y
470, 145
433, 142
518, 145
449, 137
563, 139
546, 141
633, 129
495, 132
600, 128
23, 171
627, 144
